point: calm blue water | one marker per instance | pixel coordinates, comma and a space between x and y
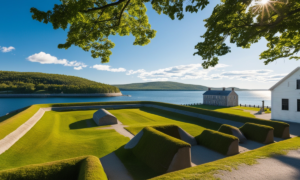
175, 97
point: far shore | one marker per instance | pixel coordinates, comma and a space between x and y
62, 95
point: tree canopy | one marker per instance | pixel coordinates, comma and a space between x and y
245, 22
32, 82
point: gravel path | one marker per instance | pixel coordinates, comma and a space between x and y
278, 167
120, 129
266, 116
114, 168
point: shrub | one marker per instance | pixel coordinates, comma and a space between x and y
82, 168
157, 149
256, 132
216, 141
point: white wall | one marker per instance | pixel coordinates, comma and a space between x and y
286, 90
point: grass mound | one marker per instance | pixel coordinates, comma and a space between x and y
81, 168
256, 132
216, 141
171, 130
227, 129
157, 149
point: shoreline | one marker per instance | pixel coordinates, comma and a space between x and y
62, 95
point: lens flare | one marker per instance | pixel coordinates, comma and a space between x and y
264, 1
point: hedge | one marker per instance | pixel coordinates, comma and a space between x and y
81, 168
256, 132
157, 149
215, 140
277, 125
225, 128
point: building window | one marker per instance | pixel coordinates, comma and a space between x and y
298, 84
298, 104
285, 104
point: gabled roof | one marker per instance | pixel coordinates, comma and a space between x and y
283, 79
216, 92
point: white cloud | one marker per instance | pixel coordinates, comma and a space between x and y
130, 72
195, 71
190, 71
44, 58
101, 67
78, 68
7, 49
262, 75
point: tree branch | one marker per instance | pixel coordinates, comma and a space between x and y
105, 6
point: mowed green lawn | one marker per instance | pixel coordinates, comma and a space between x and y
61, 135
138, 118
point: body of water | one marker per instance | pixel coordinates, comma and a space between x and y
175, 97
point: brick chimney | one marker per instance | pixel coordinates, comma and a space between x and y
232, 89
209, 89
223, 89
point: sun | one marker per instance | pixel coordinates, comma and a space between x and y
264, 1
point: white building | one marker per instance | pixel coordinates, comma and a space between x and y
286, 98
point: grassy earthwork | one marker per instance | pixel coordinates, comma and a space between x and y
61, 135
137, 119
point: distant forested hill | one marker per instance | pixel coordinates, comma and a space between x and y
167, 86
30, 82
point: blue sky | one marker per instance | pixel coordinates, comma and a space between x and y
30, 46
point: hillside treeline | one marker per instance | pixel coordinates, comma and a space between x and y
27, 82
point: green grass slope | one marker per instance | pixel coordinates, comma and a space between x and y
81, 168
61, 135
163, 86
228, 110
137, 119
10, 123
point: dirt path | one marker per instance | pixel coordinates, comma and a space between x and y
278, 167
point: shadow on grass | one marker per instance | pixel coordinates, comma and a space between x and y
135, 167
182, 118
86, 123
